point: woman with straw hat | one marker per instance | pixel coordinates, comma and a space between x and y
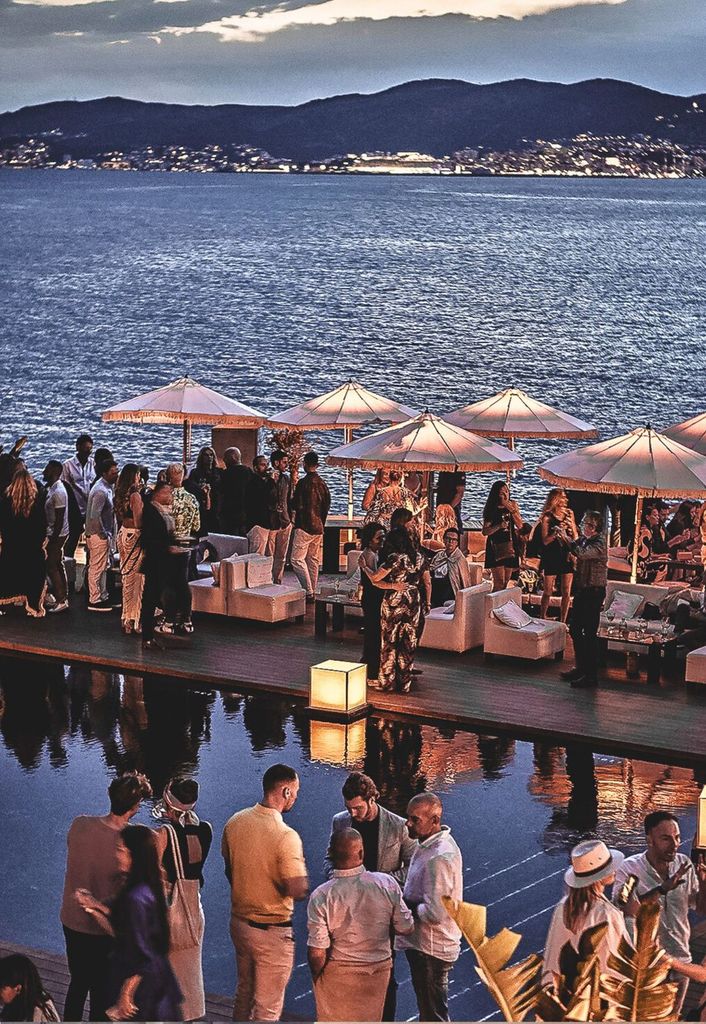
593, 867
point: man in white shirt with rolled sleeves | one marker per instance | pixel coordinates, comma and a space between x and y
669, 876
350, 919
436, 870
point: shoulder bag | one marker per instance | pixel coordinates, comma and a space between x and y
183, 903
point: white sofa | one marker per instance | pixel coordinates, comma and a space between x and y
245, 590
650, 593
462, 629
541, 638
696, 666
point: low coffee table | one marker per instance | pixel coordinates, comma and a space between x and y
654, 645
339, 603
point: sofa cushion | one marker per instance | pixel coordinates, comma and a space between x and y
259, 572
511, 614
624, 605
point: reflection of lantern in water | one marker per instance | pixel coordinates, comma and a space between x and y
338, 743
338, 688
700, 843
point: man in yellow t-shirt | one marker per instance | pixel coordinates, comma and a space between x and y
264, 864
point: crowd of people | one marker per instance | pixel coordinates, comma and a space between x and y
409, 562
134, 924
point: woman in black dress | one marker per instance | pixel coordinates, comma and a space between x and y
193, 840
554, 560
501, 525
371, 539
23, 528
204, 482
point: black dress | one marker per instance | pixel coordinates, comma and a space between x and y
371, 603
555, 559
492, 561
22, 560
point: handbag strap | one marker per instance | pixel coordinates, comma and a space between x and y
176, 851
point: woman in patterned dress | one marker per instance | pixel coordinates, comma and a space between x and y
385, 494
402, 609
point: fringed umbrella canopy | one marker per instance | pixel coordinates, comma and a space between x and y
513, 413
186, 399
426, 444
350, 405
641, 462
187, 402
691, 433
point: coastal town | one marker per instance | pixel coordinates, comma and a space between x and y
585, 155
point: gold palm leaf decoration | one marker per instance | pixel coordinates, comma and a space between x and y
516, 988
577, 996
641, 992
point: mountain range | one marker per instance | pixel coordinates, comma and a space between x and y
436, 116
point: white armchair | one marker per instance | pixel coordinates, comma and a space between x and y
461, 628
538, 638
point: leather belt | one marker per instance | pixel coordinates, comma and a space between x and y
273, 924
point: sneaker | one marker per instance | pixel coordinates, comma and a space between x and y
100, 606
188, 627
49, 601
63, 606
166, 628
571, 674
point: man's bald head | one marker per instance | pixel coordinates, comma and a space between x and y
346, 849
424, 813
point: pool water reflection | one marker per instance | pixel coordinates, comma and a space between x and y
515, 808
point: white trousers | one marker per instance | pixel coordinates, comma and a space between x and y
306, 559
277, 547
98, 554
258, 540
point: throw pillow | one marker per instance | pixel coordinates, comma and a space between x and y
624, 604
216, 571
510, 614
259, 570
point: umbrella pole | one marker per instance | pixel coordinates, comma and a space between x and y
348, 436
186, 453
511, 447
635, 543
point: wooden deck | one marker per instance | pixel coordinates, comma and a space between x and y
54, 972
526, 699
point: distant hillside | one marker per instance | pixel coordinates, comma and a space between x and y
436, 116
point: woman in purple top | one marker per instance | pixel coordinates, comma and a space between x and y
142, 985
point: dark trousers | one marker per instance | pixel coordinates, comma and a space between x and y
585, 619
152, 596
177, 599
88, 957
76, 523
389, 1010
430, 979
371, 605
55, 568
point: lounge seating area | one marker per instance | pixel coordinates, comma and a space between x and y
511, 632
241, 587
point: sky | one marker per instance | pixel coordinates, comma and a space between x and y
291, 51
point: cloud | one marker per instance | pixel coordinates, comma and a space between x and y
258, 23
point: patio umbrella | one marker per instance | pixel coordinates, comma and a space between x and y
691, 433
348, 406
641, 462
513, 413
426, 443
187, 402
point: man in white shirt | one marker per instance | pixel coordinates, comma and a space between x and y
100, 534
669, 876
78, 474
350, 920
436, 870
57, 516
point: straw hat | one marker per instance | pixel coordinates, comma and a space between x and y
591, 861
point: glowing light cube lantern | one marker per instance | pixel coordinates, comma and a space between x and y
338, 688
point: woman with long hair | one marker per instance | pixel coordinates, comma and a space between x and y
385, 494
554, 560
406, 598
204, 482
501, 525
129, 504
183, 844
593, 867
372, 537
650, 567
23, 528
142, 984
444, 519
22, 994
